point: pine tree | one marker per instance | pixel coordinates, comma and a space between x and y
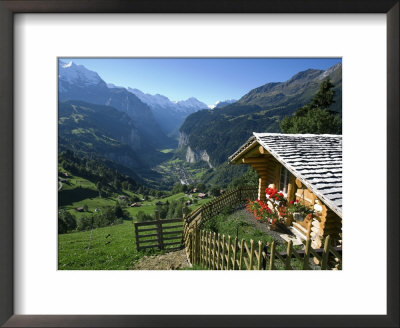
315, 117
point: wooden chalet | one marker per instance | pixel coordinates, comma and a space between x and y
305, 167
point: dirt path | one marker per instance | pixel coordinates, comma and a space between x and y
169, 261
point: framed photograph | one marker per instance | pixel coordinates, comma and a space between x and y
199, 164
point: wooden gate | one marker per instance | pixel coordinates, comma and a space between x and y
161, 234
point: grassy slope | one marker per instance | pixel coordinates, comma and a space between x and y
118, 251
93, 250
74, 252
79, 192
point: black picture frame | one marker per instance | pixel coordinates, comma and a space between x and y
7, 10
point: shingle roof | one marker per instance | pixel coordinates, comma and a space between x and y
315, 159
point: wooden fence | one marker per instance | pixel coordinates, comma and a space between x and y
161, 234
193, 221
235, 197
216, 252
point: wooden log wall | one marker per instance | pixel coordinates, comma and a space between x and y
326, 222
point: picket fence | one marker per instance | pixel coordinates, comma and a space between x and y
218, 252
213, 251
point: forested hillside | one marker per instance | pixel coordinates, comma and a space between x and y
104, 131
221, 131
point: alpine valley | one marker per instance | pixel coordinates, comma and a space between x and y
132, 165
160, 142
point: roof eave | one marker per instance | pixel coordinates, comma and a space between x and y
243, 149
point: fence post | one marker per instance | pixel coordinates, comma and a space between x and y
214, 241
218, 251
234, 253
228, 264
223, 253
160, 241
193, 235
197, 241
210, 250
241, 254
272, 256
307, 254
251, 253
204, 251
288, 255
194, 246
137, 236
197, 234
325, 254
201, 246
259, 255
189, 252
183, 233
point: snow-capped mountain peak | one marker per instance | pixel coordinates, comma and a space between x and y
67, 65
158, 101
191, 103
77, 74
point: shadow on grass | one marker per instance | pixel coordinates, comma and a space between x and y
67, 197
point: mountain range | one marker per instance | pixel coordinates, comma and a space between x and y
78, 83
216, 134
158, 116
169, 114
130, 127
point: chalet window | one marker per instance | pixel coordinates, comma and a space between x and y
284, 180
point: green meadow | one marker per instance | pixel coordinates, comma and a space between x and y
107, 248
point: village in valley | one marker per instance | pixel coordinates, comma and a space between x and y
146, 183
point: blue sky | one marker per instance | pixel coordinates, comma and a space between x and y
207, 79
